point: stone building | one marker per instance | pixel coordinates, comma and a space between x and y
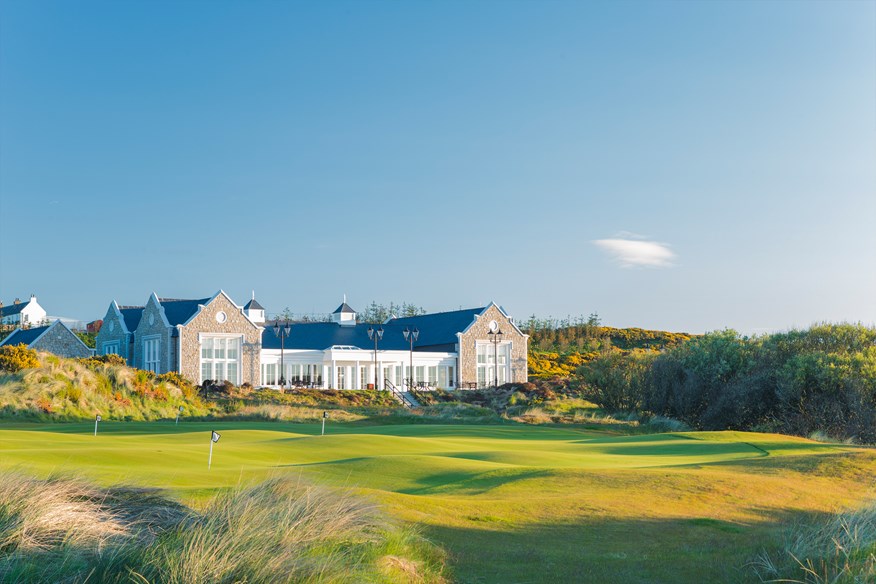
214, 338
55, 338
116, 334
206, 338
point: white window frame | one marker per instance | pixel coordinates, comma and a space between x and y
220, 364
111, 348
485, 357
152, 353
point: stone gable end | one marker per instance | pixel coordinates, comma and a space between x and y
60, 341
478, 332
145, 329
117, 335
205, 322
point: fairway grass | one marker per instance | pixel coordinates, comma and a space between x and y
510, 503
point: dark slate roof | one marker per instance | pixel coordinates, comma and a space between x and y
132, 315
437, 333
26, 336
253, 305
9, 310
179, 311
322, 335
344, 308
439, 328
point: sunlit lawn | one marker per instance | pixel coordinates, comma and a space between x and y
510, 503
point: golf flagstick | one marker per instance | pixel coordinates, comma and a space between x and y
214, 437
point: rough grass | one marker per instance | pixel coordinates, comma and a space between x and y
68, 390
839, 549
282, 530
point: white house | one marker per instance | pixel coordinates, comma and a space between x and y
23, 314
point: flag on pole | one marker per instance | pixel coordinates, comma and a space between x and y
215, 436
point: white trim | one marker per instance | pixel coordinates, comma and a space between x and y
143, 340
58, 322
119, 316
160, 310
201, 307
9, 336
484, 311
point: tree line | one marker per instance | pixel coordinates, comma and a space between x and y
374, 313
821, 379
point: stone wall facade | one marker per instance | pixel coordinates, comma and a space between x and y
468, 364
112, 330
152, 325
234, 324
59, 340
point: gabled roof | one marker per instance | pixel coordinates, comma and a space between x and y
179, 311
131, 316
344, 308
253, 305
439, 328
26, 336
9, 310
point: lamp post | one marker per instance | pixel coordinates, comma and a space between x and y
495, 337
375, 335
411, 336
283, 333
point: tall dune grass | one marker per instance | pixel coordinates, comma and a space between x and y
65, 530
67, 390
841, 550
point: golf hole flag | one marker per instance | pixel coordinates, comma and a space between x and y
214, 438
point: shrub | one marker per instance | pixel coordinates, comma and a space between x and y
72, 392
44, 404
14, 358
616, 381
142, 379
174, 378
96, 361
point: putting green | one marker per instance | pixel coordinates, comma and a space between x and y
545, 503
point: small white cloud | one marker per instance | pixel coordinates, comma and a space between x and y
632, 251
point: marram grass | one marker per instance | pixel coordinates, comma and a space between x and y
281, 530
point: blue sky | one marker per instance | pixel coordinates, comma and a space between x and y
675, 165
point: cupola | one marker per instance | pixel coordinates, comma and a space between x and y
254, 311
344, 315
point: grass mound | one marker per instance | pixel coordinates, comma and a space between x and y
282, 530
62, 389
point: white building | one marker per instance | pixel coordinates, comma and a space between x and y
23, 314
440, 350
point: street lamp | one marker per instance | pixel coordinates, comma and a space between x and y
411, 335
495, 337
283, 333
376, 335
